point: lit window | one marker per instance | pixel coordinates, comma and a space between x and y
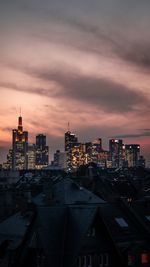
122, 223
144, 258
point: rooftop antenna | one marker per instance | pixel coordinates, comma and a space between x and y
68, 127
20, 111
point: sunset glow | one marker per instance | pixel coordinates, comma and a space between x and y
70, 61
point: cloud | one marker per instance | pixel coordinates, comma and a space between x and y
6, 129
136, 53
71, 85
144, 133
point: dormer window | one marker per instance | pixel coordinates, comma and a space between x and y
91, 232
148, 217
121, 222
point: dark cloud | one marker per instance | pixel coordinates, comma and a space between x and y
107, 95
144, 133
104, 94
136, 53
6, 129
30, 90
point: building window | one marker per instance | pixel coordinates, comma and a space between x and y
103, 260
89, 261
91, 232
148, 217
84, 261
122, 223
144, 258
106, 259
131, 260
79, 261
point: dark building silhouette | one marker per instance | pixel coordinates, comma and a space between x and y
42, 152
66, 225
19, 147
132, 152
116, 152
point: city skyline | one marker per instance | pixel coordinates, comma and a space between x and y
25, 155
79, 61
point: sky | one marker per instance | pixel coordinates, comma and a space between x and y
84, 62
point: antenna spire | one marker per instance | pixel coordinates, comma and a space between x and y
68, 127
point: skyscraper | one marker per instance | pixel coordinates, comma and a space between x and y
31, 156
70, 141
42, 152
132, 153
59, 159
116, 152
96, 149
19, 147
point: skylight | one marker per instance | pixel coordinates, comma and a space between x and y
148, 217
121, 222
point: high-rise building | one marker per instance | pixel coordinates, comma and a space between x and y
96, 149
103, 159
31, 156
78, 155
70, 141
8, 164
19, 147
116, 152
59, 159
42, 152
141, 162
132, 152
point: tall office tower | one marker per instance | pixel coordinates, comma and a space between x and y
103, 159
96, 149
19, 147
88, 148
141, 162
132, 152
70, 141
78, 155
31, 156
59, 159
116, 152
42, 152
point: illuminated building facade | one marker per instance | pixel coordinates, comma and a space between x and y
31, 156
70, 141
42, 152
103, 158
19, 147
116, 152
96, 150
78, 156
132, 152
